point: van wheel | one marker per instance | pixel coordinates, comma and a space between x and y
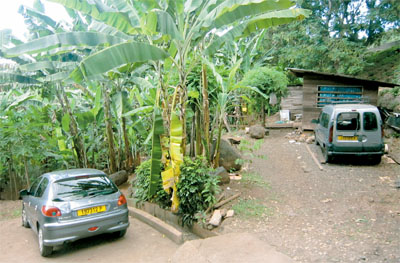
376, 160
327, 158
45, 251
315, 139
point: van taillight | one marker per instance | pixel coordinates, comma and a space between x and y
121, 200
331, 134
382, 131
51, 211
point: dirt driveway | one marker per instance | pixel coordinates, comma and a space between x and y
141, 244
349, 212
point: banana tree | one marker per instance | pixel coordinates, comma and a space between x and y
148, 29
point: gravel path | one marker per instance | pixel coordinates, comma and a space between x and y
349, 212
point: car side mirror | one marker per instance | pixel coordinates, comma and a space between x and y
23, 193
315, 121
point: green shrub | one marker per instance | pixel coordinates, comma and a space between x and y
197, 188
142, 182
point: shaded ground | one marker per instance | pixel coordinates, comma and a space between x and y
349, 212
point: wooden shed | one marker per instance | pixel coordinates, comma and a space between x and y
321, 88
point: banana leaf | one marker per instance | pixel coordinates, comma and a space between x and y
62, 39
171, 174
10, 78
115, 56
155, 169
52, 65
256, 24
117, 20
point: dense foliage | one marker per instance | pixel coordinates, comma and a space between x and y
141, 186
197, 189
337, 38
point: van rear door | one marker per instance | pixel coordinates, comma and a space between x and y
347, 137
372, 138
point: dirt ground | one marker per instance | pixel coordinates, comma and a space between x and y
141, 243
348, 212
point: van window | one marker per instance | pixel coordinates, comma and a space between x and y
324, 120
370, 121
348, 121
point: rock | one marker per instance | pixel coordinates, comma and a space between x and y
310, 139
389, 132
223, 212
305, 169
397, 183
119, 177
235, 247
257, 131
230, 213
216, 218
228, 156
302, 138
223, 175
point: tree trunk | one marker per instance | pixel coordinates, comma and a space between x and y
183, 117
14, 194
128, 153
193, 139
199, 148
206, 112
263, 113
109, 132
217, 152
136, 160
26, 173
73, 126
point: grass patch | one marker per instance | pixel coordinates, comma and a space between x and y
248, 148
251, 208
10, 214
255, 179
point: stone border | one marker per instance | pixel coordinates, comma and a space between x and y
162, 227
165, 221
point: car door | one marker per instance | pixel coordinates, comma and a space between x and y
28, 201
38, 200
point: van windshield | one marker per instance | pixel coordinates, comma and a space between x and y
348, 121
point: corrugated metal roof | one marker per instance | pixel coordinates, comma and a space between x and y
301, 72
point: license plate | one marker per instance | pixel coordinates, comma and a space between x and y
91, 210
347, 138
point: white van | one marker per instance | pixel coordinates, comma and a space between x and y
350, 129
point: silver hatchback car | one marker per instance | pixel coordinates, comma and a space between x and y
65, 206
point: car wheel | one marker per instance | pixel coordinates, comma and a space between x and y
24, 218
45, 251
120, 233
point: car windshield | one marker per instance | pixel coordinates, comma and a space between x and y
82, 186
